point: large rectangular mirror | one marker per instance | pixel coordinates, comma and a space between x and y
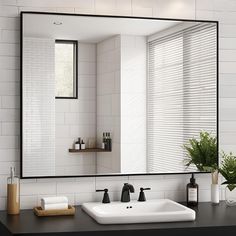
132, 90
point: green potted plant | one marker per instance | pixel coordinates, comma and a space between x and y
228, 171
203, 153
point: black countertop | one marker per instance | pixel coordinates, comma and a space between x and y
217, 220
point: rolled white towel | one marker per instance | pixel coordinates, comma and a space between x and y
54, 200
56, 206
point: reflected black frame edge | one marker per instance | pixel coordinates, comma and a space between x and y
111, 16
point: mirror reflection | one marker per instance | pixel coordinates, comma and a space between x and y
108, 95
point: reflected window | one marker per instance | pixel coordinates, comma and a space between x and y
66, 69
182, 93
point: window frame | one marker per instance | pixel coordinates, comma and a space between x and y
75, 67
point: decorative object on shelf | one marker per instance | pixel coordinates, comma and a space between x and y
228, 171
77, 144
204, 155
106, 141
13, 193
82, 145
103, 141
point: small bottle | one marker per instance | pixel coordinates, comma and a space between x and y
103, 141
77, 144
82, 145
13, 194
109, 142
192, 192
106, 141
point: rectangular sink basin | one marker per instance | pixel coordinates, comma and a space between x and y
161, 210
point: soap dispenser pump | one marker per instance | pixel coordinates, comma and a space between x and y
192, 192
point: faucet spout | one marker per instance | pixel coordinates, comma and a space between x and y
126, 190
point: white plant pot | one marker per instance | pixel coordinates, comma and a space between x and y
215, 193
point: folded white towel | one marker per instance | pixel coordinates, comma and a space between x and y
56, 206
54, 200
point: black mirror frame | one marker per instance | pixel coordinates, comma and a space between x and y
111, 16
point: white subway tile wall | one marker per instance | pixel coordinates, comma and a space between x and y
108, 102
39, 157
77, 117
81, 190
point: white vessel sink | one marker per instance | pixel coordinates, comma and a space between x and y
161, 210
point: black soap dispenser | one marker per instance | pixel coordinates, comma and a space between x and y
192, 192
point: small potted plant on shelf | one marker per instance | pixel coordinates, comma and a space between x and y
202, 153
228, 171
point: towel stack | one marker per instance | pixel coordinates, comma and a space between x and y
54, 203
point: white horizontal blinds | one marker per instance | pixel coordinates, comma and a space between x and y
165, 102
199, 80
181, 97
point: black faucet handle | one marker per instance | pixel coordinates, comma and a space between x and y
142, 197
142, 189
102, 190
106, 198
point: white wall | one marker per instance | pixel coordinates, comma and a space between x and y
121, 103
108, 102
83, 189
77, 118
133, 104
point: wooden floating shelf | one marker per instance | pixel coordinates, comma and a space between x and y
88, 150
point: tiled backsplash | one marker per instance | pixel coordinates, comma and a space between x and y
83, 189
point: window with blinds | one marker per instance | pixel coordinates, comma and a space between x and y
181, 94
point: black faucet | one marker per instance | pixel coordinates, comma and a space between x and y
125, 196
